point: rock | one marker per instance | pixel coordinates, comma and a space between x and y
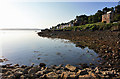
12, 76
18, 74
104, 73
52, 75
8, 73
85, 77
67, 74
78, 73
58, 67
97, 72
70, 67
83, 72
53, 66
32, 64
40, 73
42, 77
58, 53
27, 68
8, 64
4, 66
22, 77
4, 70
73, 76
92, 74
58, 71
18, 70
84, 66
16, 65
1, 60
23, 66
33, 70
42, 65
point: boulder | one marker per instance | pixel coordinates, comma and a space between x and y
83, 72
18, 70
67, 74
18, 74
70, 67
12, 76
84, 77
52, 75
4, 70
22, 77
42, 65
8, 73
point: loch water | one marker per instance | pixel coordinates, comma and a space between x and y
25, 47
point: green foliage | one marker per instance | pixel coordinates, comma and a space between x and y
117, 17
93, 27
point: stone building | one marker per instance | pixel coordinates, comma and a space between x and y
108, 17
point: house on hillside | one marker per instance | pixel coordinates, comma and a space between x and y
65, 25
108, 17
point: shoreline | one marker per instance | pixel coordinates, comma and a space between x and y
105, 43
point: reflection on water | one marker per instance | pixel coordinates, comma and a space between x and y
26, 47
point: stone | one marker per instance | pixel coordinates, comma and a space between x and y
40, 73
16, 65
22, 77
58, 67
1, 60
70, 67
27, 68
34, 69
78, 73
84, 66
52, 75
4, 70
67, 74
32, 64
12, 76
42, 65
23, 66
92, 74
18, 74
8, 73
18, 70
58, 71
97, 72
85, 77
83, 72
73, 76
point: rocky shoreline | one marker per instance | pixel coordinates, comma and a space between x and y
56, 72
105, 43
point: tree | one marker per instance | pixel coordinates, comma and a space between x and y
117, 9
105, 10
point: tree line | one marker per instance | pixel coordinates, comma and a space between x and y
97, 17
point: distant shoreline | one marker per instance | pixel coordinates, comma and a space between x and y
21, 29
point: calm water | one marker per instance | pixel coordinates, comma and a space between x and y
26, 47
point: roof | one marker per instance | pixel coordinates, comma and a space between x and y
109, 12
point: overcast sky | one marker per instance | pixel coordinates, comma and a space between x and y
39, 14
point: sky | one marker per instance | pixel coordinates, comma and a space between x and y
45, 14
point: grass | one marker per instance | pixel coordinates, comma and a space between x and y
94, 26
